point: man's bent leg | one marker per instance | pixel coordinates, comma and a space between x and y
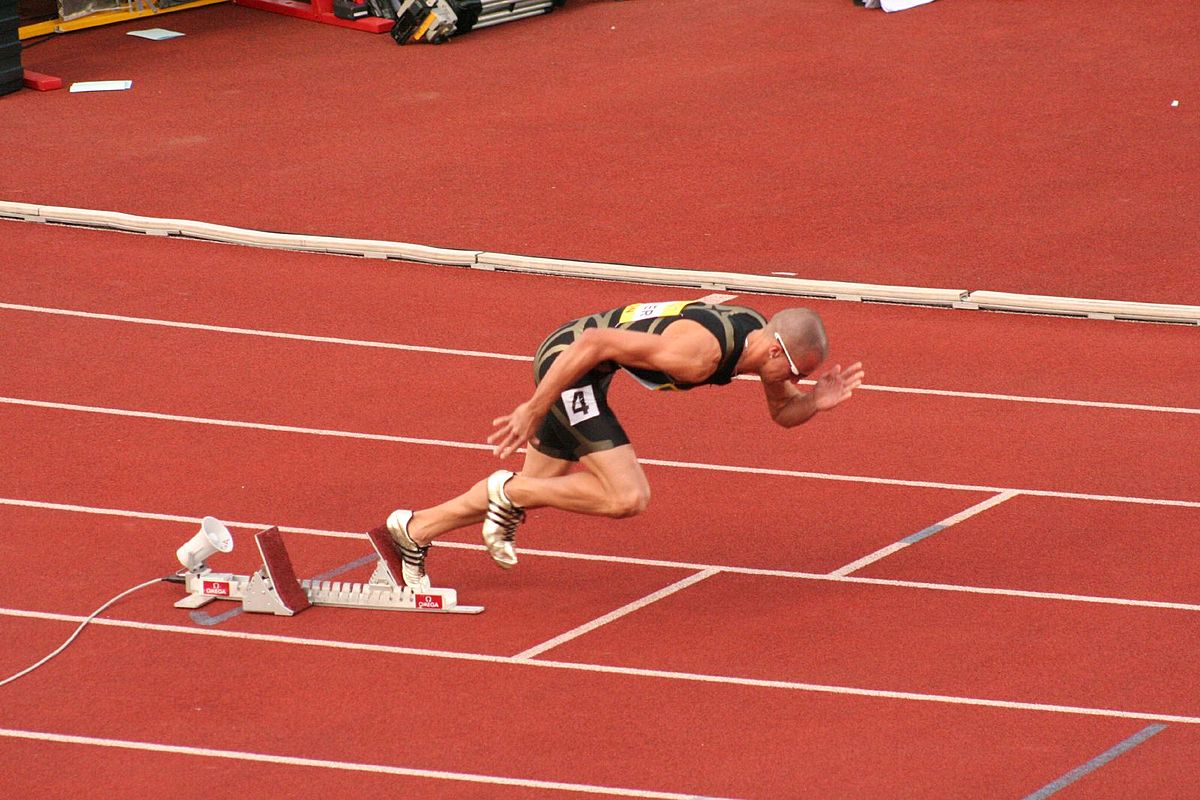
503, 516
612, 484
470, 507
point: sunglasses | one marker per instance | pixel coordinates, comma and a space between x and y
788, 356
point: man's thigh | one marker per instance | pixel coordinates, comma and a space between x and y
618, 469
540, 465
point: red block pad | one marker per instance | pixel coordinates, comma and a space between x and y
381, 540
279, 568
43, 83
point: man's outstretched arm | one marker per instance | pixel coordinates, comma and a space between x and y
789, 406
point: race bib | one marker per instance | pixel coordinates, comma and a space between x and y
649, 310
581, 404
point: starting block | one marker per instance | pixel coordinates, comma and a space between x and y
275, 589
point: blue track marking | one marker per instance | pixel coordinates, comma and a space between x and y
1096, 763
925, 533
919, 535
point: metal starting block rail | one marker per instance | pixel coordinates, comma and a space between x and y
275, 589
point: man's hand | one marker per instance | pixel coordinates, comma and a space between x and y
515, 429
836, 385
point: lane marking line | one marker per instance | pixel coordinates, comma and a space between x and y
787, 473
645, 562
149, 515
637, 672
925, 533
1097, 762
299, 337
510, 357
229, 423
624, 610
717, 299
1057, 401
350, 766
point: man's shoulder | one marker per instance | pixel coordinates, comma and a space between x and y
742, 316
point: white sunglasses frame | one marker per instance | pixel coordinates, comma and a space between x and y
787, 355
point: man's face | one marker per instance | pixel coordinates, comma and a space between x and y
779, 367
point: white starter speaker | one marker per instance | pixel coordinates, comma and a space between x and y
212, 537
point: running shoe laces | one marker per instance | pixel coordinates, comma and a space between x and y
507, 519
501, 521
411, 554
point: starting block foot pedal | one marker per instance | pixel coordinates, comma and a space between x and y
390, 565
274, 588
390, 572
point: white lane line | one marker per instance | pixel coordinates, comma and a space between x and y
963, 487
642, 562
629, 608
1011, 398
299, 337
1024, 399
717, 299
119, 512
511, 357
789, 473
349, 766
912, 539
605, 669
230, 423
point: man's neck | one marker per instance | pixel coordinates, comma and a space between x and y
754, 354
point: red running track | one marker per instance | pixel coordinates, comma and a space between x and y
989, 659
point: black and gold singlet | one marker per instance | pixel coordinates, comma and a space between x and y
729, 324
581, 422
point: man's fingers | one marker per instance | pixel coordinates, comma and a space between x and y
509, 444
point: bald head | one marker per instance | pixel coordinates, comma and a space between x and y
802, 331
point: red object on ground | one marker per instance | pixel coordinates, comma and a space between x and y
279, 566
318, 11
382, 540
41, 82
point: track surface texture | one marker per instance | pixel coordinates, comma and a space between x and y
978, 144
974, 580
756, 633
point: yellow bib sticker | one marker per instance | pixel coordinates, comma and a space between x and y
649, 310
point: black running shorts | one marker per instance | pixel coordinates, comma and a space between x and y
580, 421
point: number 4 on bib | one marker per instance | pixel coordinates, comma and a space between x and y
580, 403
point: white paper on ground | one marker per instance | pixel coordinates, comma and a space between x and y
901, 5
101, 86
155, 34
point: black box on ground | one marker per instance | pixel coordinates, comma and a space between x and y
9, 85
12, 76
10, 49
